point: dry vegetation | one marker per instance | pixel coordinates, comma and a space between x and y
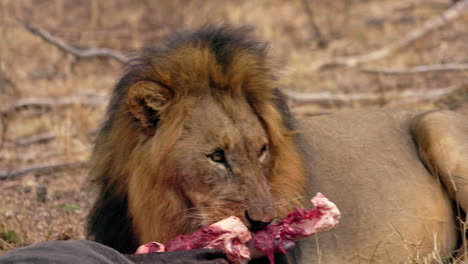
52, 204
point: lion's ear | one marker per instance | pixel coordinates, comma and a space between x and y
145, 100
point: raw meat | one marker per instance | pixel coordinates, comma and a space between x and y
233, 237
230, 235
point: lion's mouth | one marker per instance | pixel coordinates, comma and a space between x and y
255, 225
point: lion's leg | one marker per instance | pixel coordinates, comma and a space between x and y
442, 138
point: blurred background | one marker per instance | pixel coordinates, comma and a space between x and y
332, 56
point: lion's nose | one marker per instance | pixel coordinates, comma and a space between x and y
254, 224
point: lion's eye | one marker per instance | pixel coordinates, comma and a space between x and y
263, 151
218, 156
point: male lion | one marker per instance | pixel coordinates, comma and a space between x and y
197, 131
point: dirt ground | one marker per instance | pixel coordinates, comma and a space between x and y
49, 204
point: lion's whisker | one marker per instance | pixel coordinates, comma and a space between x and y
188, 210
282, 202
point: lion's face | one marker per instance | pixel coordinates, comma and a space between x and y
224, 164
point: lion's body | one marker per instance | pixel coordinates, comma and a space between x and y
393, 207
198, 131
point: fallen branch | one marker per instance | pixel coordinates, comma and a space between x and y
78, 52
419, 69
432, 24
43, 138
49, 102
42, 169
330, 99
427, 96
321, 42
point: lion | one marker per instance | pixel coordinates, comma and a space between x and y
198, 130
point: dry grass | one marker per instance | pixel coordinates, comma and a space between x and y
29, 67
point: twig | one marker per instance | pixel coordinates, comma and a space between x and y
327, 98
419, 69
308, 112
41, 138
321, 42
432, 24
8, 175
4, 130
78, 52
48, 102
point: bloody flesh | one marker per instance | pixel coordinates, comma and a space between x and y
300, 223
231, 235
199, 239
